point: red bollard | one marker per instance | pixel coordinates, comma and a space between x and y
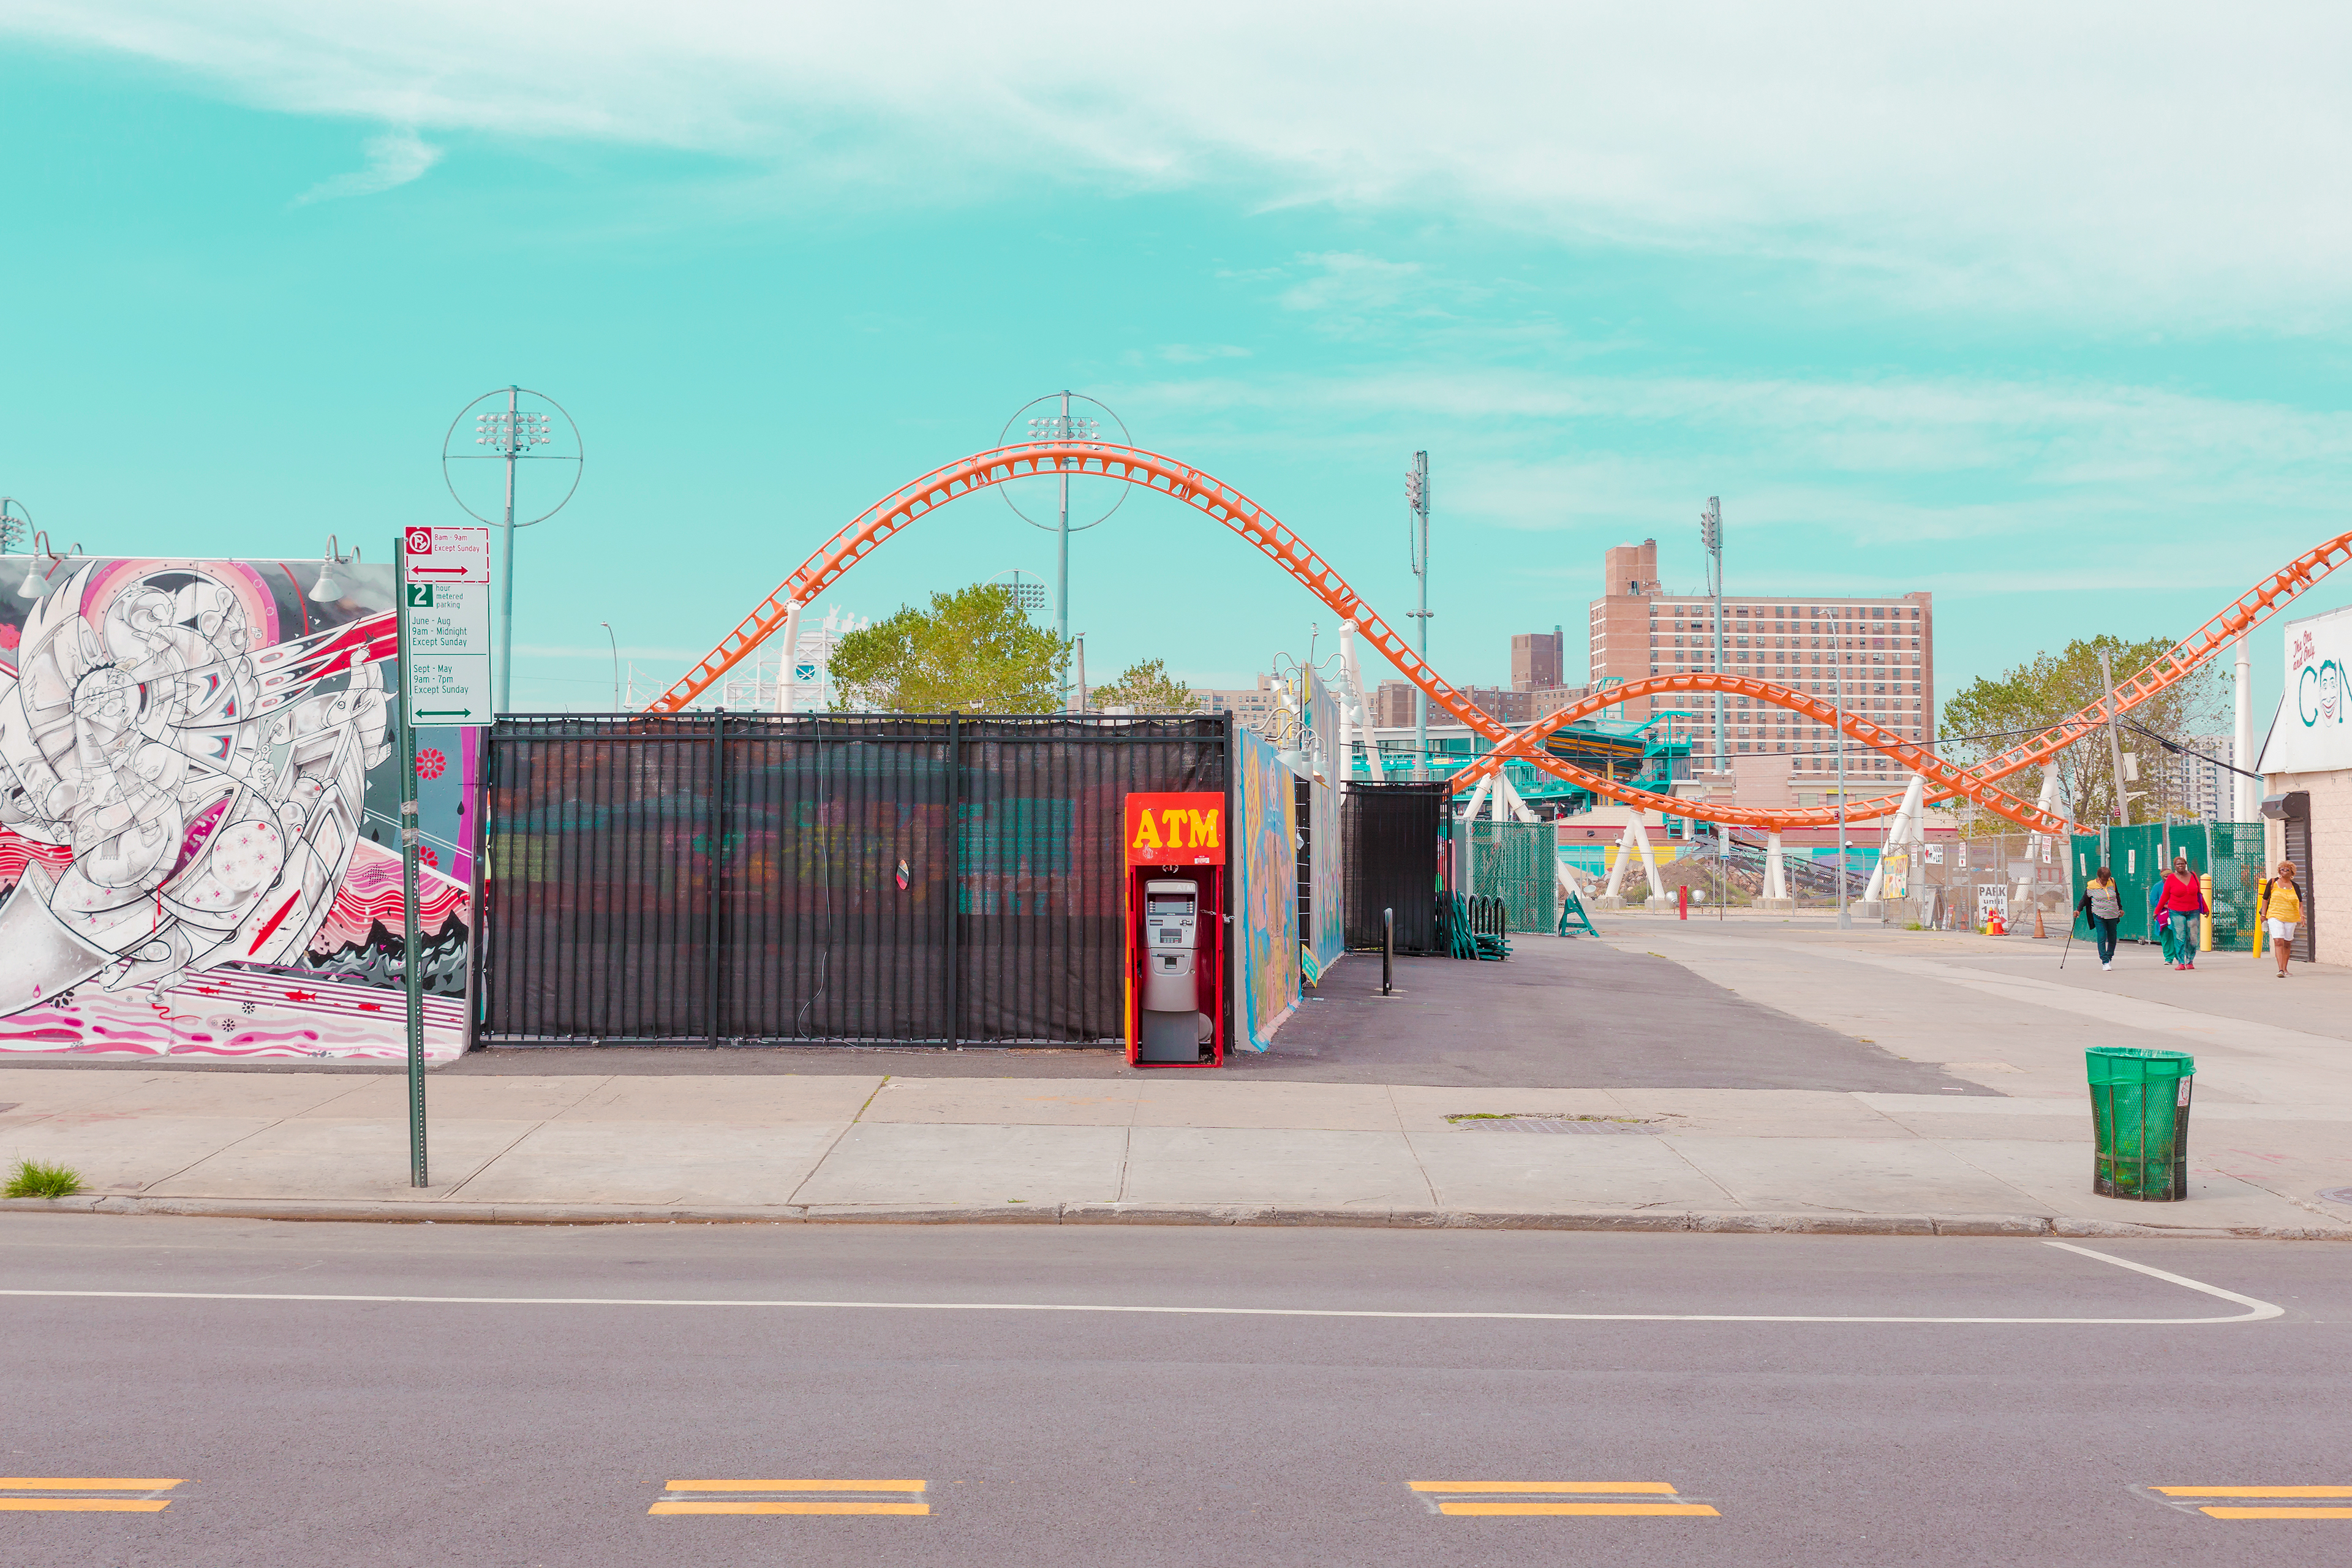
1682, 902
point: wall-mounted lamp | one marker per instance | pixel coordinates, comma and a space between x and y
326, 590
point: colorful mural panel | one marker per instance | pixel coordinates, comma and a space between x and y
1264, 842
199, 805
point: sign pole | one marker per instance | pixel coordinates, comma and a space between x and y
412, 966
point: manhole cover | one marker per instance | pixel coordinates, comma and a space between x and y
2336, 1196
1514, 1124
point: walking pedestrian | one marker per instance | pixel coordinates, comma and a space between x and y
2178, 905
2281, 911
2102, 904
2158, 928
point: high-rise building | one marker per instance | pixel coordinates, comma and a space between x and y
1535, 660
1885, 648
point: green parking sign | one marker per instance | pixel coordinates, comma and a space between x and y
420, 595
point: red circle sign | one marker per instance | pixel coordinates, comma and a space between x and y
420, 541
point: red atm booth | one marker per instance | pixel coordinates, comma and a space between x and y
1176, 925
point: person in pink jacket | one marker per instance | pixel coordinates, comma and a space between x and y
2183, 902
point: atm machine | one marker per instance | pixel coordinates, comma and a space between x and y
1171, 1022
1176, 936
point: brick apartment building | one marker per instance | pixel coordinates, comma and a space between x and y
1392, 705
1885, 646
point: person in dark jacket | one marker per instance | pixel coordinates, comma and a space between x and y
2101, 905
2182, 900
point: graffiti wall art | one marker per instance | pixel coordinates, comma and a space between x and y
199, 805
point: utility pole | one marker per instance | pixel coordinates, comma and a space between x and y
1845, 916
1416, 501
2243, 806
1711, 538
2115, 746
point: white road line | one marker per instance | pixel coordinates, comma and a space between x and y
2256, 1311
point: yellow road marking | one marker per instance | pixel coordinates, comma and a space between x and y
82, 1505
1493, 1508
2253, 1492
796, 1486
2278, 1512
81, 1483
1658, 1487
803, 1507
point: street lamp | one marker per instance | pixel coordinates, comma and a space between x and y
617, 663
510, 435
1060, 424
326, 590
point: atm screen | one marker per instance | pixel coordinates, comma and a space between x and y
1182, 904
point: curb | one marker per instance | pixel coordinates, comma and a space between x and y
426, 1211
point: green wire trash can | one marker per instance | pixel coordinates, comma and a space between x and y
2139, 1115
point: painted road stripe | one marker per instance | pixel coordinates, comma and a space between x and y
2191, 1500
1613, 1487
2256, 1311
1533, 1499
14, 1488
2254, 1491
796, 1486
841, 1497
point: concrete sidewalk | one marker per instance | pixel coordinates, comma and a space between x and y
1995, 1137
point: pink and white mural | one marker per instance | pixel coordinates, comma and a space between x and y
199, 807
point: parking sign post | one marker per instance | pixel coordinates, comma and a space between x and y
442, 593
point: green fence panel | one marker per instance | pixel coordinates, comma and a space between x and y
2235, 864
2136, 855
1518, 863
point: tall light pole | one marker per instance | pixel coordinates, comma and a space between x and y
1845, 916
2115, 743
1416, 501
510, 435
616, 643
1063, 425
1710, 539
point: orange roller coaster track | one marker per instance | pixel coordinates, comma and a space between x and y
1205, 493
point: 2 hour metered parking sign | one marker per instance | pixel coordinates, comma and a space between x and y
446, 624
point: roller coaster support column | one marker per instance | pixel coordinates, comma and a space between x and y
788, 674
1360, 722
1901, 830
1776, 876
1634, 842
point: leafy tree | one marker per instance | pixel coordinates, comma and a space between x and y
1984, 717
1147, 687
974, 651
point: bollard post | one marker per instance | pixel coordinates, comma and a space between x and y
1682, 902
1388, 947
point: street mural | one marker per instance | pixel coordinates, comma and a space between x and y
199, 809
1265, 844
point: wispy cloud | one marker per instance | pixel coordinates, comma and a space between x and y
2100, 160
393, 159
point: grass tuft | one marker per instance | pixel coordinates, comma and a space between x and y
31, 1179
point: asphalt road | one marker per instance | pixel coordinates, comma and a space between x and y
543, 1430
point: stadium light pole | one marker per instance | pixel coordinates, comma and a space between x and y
1845, 916
511, 433
1063, 426
17, 528
1711, 538
1416, 501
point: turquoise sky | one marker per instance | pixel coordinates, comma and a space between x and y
2044, 313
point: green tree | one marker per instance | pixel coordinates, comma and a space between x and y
1147, 687
1985, 717
974, 651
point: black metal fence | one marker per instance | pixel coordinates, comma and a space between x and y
756, 878
1389, 834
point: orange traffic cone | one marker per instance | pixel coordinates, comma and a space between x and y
2039, 933
1995, 926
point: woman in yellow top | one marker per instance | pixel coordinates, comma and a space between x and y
2283, 911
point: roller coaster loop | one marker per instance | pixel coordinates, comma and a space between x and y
1205, 493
